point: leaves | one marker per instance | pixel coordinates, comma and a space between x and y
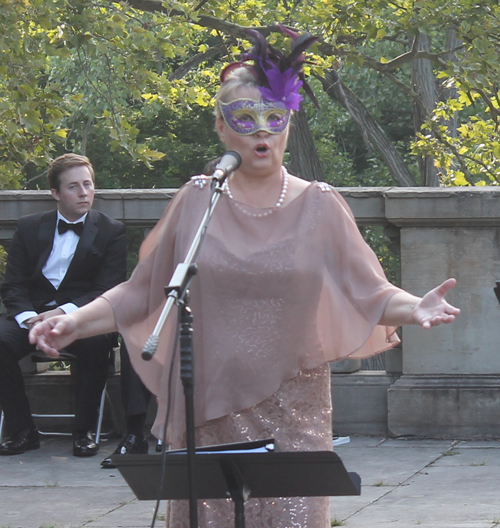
72, 71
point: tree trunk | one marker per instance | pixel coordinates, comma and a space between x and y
86, 132
424, 84
304, 159
372, 132
452, 43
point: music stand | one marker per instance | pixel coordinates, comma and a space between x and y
496, 289
239, 474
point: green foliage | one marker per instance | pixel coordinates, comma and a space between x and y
188, 137
29, 109
59, 366
347, 160
72, 69
128, 83
386, 250
469, 158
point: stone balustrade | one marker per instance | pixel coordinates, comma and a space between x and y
443, 382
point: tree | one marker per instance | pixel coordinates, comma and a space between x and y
71, 70
467, 62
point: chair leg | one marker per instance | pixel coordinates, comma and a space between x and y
1, 427
53, 433
100, 415
117, 428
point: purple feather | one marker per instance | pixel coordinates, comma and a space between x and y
279, 76
284, 87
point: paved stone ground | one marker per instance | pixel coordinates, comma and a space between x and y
406, 483
421, 483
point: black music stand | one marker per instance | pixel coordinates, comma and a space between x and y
496, 289
239, 474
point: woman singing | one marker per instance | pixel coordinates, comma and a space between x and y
285, 285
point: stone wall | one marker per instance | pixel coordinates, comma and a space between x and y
441, 383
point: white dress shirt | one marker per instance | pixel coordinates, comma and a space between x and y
56, 267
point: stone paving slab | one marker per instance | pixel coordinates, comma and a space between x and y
50, 488
69, 507
389, 464
470, 457
432, 484
405, 484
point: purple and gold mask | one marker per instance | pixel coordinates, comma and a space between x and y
248, 116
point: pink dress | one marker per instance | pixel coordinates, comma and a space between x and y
277, 296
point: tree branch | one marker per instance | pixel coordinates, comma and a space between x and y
38, 176
238, 31
211, 53
370, 129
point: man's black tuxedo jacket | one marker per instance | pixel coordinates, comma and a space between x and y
99, 263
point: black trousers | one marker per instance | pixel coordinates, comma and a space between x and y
135, 396
90, 371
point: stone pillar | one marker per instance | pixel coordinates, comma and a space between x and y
450, 385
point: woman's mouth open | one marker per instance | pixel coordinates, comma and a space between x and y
262, 149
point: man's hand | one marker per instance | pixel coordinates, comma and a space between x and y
32, 321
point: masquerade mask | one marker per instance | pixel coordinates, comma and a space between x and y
248, 116
279, 76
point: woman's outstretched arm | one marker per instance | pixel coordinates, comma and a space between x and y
53, 334
430, 310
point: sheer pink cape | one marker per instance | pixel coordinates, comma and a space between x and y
274, 295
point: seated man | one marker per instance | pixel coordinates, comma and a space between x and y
58, 261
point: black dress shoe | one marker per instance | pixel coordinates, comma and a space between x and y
130, 445
84, 445
21, 442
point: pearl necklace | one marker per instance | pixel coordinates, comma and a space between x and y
278, 204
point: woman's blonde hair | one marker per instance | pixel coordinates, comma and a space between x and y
242, 76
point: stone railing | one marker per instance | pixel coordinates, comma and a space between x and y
443, 382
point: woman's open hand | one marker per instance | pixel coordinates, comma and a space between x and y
53, 334
433, 309
430, 310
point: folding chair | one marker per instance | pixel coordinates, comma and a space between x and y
39, 357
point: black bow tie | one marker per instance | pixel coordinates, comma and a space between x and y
63, 226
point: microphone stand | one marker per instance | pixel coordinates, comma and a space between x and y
177, 292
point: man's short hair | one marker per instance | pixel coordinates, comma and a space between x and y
62, 164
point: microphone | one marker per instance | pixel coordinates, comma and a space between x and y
229, 162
